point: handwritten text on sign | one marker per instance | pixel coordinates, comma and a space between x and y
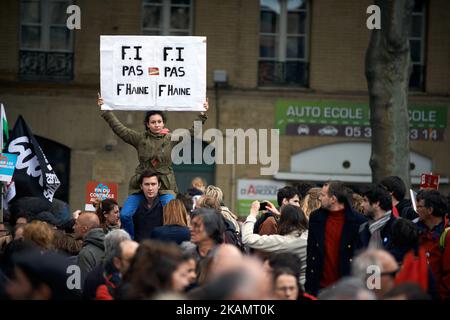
153, 73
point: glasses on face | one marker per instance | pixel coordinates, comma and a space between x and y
392, 274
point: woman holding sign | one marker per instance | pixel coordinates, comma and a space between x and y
154, 148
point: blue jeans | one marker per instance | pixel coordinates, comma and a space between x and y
130, 206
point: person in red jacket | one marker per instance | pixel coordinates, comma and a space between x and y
432, 208
116, 265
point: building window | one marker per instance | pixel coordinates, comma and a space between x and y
417, 46
46, 44
167, 17
283, 48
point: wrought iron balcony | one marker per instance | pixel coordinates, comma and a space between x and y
290, 73
40, 65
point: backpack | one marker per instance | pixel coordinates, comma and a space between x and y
231, 236
444, 235
414, 269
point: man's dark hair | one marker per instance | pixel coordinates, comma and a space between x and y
433, 199
152, 113
213, 222
287, 192
378, 193
303, 188
404, 234
148, 174
339, 190
395, 185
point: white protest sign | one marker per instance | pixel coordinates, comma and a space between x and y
153, 73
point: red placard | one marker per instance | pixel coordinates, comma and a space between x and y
429, 181
98, 190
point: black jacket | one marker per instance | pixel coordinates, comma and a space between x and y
316, 245
406, 210
386, 234
145, 219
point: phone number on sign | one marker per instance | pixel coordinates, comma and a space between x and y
414, 133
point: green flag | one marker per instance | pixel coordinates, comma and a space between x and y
4, 136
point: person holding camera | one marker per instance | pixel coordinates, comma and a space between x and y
267, 223
292, 233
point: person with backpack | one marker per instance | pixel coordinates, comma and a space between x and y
231, 233
432, 222
292, 233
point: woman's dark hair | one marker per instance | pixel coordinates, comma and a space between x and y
292, 219
152, 113
282, 270
213, 222
285, 260
187, 201
66, 243
105, 207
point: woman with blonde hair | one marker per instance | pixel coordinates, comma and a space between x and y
311, 201
39, 233
175, 224
216, 193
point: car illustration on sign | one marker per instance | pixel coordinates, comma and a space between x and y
303, 129
328, 131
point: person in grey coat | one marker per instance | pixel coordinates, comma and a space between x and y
92, 253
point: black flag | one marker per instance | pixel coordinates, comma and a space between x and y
34, 176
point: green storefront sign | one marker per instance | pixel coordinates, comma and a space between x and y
335, 113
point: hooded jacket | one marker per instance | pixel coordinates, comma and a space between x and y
154, 152
92, 252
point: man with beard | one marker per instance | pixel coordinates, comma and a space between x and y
376, 233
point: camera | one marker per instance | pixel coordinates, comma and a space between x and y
262, 206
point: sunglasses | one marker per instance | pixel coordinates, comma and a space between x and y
392, 274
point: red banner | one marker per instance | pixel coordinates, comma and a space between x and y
98, 190
429, 181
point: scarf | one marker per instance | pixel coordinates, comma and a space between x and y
375, 228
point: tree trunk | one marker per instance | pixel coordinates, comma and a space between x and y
388, 68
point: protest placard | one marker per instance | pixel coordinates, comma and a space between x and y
429, 181
7, 166
153, 73
96, 191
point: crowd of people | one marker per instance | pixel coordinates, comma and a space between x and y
317, 243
